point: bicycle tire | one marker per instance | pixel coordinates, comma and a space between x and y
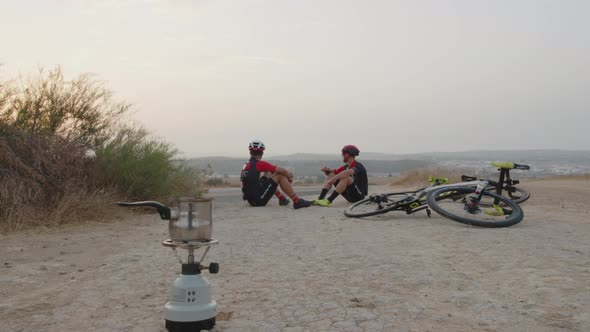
525, 195
350, 210
512, 219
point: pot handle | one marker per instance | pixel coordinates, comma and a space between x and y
163, 210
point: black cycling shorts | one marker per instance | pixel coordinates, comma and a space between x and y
266, 189
352, 193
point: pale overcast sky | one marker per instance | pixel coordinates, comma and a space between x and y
310, 76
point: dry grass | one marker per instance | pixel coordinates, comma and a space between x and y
43, 180
75, 206
419, 177
81, 205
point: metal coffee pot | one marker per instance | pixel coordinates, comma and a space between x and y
190, 221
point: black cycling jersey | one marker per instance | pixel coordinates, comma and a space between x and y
360, 177
250, 177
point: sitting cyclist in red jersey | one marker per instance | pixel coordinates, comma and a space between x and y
261, 179
349, 180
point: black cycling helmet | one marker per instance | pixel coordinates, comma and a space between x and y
351, 150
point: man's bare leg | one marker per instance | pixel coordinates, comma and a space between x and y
343, 184
287, 188
285, 185
340, 188
326, 185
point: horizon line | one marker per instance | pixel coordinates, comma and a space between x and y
270, 156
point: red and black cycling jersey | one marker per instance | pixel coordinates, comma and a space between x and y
359, 176
261, 166
250, 177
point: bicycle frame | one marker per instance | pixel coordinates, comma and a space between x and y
418, 201
505, 180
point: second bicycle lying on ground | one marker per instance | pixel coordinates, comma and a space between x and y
473, 202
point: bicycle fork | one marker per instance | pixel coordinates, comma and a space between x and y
472, 204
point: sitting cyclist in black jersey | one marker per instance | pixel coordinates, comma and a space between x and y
349, 180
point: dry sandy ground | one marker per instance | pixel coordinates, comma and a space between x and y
315, 270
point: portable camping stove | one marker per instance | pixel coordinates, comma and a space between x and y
191, 306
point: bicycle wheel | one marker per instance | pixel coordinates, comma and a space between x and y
377, 204
452, 203
518, 197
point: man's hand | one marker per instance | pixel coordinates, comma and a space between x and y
290, 177
326, 170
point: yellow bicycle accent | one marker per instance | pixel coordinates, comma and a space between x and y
504, 164
439, 181
498, 212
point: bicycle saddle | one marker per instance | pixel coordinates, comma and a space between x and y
510, 165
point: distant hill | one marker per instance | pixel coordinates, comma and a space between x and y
380, 164
318, 156
307, 167
511, 155
515, 155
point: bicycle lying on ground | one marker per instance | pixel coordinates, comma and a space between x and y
473, 202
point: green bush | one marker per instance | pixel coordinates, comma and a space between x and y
65, 147
140, 166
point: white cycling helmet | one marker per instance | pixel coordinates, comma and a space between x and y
256, 145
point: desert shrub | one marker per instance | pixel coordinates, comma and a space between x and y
66, 153
133, 163
141, 166
37, 172
186, 180
81, 109
5, 94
